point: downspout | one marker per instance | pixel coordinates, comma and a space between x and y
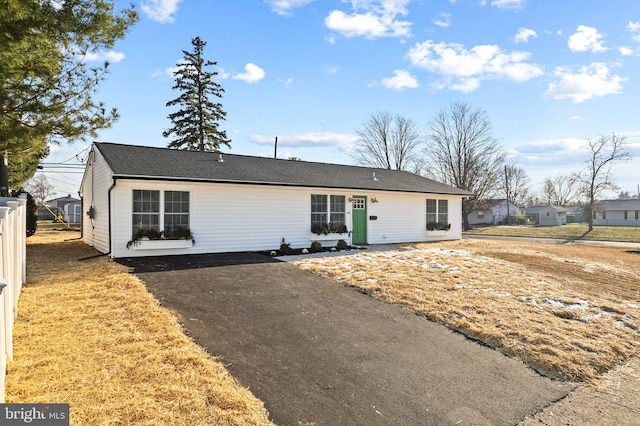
109, 211
81, 215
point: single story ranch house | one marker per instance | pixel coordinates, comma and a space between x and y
145, 201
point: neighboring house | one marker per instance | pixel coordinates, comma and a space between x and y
57, 206
490, 211
617, 213
61, 202
548, 215
241, 203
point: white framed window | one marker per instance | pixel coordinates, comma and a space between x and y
319, 209
146, 210
437, 214
337, 210
155, 210
358, 204
176, 210
328, 213
480, 214
443, 211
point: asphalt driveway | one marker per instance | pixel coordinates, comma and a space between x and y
317, 352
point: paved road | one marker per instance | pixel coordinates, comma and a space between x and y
320, 353
555, 241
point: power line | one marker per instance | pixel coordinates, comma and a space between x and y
57, 178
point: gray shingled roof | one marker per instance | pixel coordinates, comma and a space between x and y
630, 204
161, 163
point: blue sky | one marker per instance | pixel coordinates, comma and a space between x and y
549, 74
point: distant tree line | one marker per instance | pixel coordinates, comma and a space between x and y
459, 148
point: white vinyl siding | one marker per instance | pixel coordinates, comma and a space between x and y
95, 186
400, 218
224, 217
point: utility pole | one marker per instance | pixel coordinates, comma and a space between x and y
4, 176
506, 184
275, 149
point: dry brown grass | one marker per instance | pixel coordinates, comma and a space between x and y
89, 334
569, 312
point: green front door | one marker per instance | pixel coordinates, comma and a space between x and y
359, 214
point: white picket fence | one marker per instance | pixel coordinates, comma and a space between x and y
13, 270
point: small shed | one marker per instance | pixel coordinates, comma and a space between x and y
548, 215
73, 212
491, 211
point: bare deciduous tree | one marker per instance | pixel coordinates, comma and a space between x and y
560, 190
464, 153
388, 142
40, 188
515, 186
595, 177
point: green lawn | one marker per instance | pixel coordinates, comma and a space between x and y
573, 231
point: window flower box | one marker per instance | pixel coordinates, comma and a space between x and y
161, 244
332, 236
160, 240
436, 233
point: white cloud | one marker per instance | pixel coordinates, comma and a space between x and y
169, 71
310, 139
443, 20
625, 51
634, 27
161, 10
586, 83
284, 7
576, 117
401, 80
463, 69
252, 73
524, 34
550, 152
111, 56
371, 19
507, 4
586, 39
286, 82
467, 85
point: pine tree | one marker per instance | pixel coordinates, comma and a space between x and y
196, 124
47, 86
